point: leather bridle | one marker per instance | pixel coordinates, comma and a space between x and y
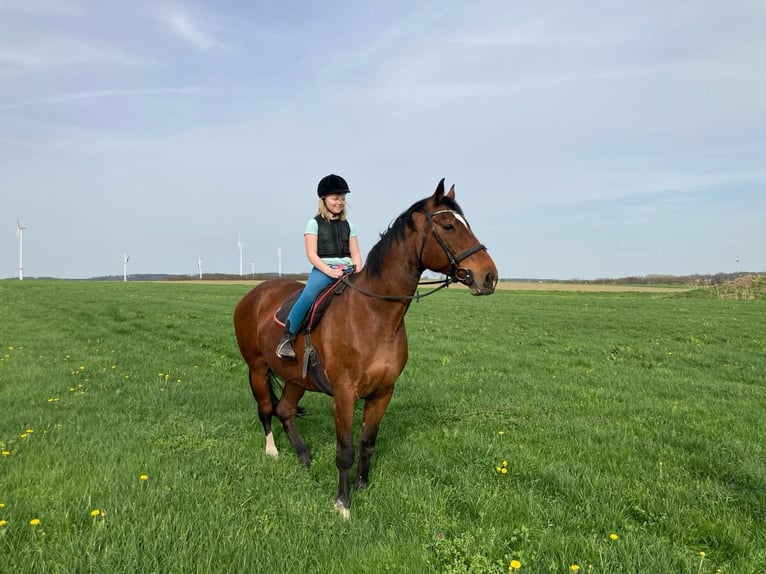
458, 274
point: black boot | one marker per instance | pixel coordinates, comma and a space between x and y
285, 349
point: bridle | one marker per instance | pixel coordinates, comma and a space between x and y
457, 274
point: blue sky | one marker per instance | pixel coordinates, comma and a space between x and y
584, 139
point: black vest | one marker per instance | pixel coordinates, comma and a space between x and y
332, 237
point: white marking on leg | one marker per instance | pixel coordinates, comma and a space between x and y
271, 448
344, 512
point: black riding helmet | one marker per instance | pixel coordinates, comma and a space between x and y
331, 184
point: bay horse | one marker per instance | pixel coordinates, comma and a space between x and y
361, 340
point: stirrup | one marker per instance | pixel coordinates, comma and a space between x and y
285, 349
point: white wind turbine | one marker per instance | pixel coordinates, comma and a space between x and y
279, 260
125, 259
241, 246
199, 266
20, 232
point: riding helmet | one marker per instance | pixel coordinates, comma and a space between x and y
330, 184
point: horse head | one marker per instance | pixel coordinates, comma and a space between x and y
449, 246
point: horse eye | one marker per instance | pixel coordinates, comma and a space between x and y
448, 226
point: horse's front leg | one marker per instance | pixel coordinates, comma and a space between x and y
286, 411
343, 413
373, 413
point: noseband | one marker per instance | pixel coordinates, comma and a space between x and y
458, 273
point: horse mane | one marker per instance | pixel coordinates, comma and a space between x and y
397, 231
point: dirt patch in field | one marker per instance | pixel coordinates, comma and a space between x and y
513, 286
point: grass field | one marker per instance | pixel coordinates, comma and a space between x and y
532, 431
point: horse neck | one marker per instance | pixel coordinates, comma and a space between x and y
399, 276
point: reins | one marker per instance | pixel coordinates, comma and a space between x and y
458, 275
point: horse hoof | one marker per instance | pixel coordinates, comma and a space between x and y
344, 512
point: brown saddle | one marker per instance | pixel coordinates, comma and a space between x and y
316, 311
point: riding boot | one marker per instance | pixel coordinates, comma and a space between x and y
285, 349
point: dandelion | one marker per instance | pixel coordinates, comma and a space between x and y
2, 504
53, 400
6, 453
505, 464
10, 348
29, 431
574, 568
501, 433
702, 553
613, 536
34, 522
3, 523
514, 565
95, 512
23, 435
143, 477
504, 470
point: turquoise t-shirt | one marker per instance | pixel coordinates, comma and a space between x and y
312, 228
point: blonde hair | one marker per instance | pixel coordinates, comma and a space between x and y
327, 214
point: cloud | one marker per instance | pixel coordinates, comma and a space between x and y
112, 93
189, 31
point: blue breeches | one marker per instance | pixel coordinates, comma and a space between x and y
316, 282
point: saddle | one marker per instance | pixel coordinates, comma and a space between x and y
311, 362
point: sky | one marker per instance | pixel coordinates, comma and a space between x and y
585, 140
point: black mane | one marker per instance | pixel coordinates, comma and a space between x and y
397, 231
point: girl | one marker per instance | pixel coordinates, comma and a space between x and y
331, 247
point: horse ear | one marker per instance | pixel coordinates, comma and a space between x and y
439, 193
451, 193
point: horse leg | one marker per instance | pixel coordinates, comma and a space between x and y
373, 413
286, 411
343, 413
259, 385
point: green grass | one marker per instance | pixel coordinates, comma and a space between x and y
638, 415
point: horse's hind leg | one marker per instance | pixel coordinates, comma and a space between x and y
287, 409
264, 397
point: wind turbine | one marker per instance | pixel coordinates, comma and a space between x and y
20, 232
279, 259
240, 245
125, 259
199, 266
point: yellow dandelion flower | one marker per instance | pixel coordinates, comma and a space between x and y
498, 469
10, 348
2, 504
82, 367
114, 366
34, 522
514, 565
574, 568
613, 536
702, 553
505, 464
3, 523
501, 432
504, 470
23, 435
29, 431
95, 512
143, 477
6, 453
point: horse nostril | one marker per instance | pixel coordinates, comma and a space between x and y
490, 280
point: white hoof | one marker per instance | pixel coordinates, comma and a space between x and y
344, 512
271, 448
